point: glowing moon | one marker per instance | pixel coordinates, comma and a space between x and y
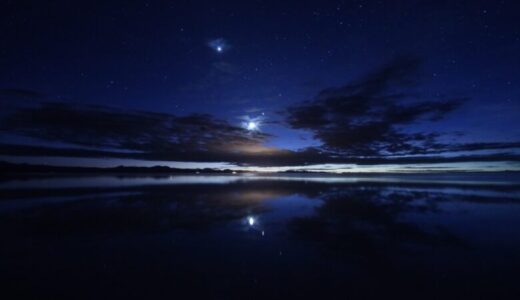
252, 126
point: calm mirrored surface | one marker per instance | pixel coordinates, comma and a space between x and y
242, 237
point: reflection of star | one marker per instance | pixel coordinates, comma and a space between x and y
219, 45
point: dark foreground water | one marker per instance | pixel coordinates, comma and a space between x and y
237, 237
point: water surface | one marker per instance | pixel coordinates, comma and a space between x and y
243, 237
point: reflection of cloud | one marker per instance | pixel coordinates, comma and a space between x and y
356, 215
137, 209
367, 221
200, 235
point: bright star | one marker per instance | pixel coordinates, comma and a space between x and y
219, 45
251, 221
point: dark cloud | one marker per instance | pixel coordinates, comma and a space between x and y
484, 146
369, 121
135, 131
268, 158
369, 117
104, 132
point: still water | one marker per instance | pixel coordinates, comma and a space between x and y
260, 237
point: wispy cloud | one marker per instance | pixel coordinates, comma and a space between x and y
368, 121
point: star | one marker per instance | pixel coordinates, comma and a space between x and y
219, 45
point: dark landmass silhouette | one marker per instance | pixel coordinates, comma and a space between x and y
8, 168
13, 168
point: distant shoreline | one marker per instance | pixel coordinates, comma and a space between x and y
7, 168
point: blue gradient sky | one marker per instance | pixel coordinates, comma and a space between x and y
160, 56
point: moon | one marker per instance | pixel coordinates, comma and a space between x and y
251, 126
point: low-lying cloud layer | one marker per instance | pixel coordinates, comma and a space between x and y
370, 121
136, 133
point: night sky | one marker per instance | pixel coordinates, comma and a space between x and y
320, 85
